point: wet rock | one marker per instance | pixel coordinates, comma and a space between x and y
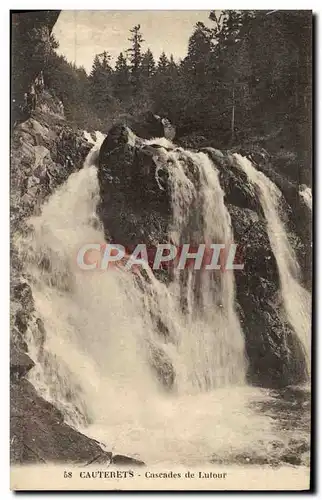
124, 460
169, 129
18, 340
129, 183
213, 152
31, 34
238, 190
292, 459
193, 141
43, 156
21, 292
251, 236
162, 366
148, 125
38, 433
102, 458
20, 362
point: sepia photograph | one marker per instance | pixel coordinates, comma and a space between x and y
161, 250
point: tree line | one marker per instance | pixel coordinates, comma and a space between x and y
247, 75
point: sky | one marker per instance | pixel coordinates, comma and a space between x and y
82, 34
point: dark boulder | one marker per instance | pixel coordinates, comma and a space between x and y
193, 141
169, 129
20, 362
38, 433
148, 125
124, 460
238, 190
162, 366
134, 206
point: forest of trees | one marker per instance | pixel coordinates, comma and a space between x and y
247, 75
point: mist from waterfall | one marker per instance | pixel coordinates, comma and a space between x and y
296, 300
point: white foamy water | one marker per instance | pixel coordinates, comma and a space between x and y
296, 300
102, 341
88, 137
186, 429
99, 137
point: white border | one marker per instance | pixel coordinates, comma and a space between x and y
4, 184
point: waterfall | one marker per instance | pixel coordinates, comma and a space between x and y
210, 341
296, 300
99, 137
88, 137
103, 355
206, 347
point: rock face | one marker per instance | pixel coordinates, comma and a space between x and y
45, 151
135, 208
148, 125
30, 45
39, 434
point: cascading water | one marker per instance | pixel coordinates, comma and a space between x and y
210, 340
88, 137
96, 363
99, 137
296, 300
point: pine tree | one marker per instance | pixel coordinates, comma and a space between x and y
172, 65
135, 53
199, 50
197, 80
163, 64
147, 65
101, 83
166, 91
101, 66
121, 79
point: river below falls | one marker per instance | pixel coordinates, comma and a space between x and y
232, 426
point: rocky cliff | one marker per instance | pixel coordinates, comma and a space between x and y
31, 32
